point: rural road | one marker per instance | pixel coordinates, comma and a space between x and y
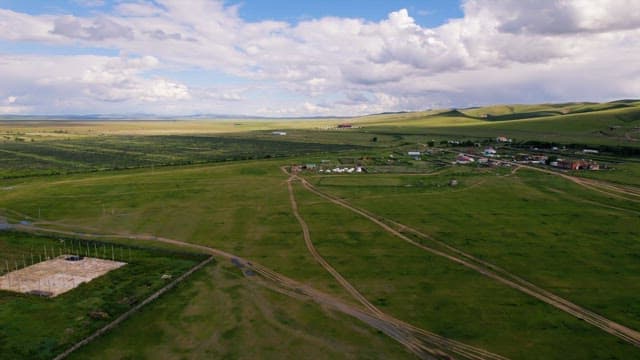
459, 348
615, 190
494, 272
423, 344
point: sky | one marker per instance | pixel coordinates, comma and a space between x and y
285, 58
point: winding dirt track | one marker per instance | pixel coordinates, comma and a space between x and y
629, 193
494, 272
434, 339
312, 249
422, 343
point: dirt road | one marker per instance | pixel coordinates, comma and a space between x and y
423, 344
489, 270
312, 249
435, 339
625, 192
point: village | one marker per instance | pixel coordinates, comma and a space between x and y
497, 152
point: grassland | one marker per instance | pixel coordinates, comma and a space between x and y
444, 297
88, 154
613, 125
543, 228
220, 184
219, 314
40, 328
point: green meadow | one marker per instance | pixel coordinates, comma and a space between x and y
221, 185
41, 328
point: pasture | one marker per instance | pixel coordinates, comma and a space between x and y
34, 327
221, 185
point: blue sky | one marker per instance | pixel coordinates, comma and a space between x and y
426, 12
299, 58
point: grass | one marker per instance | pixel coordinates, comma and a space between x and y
447, 298
219, 314
625, 174
562, 237
121, 152
607, 127
242, 208
40, 328
541, 227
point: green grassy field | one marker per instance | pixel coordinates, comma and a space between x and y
219, 314
541, 227
616, 126
238, 207
220, 184
87, 154
40, 328
445, 297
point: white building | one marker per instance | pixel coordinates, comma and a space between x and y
489, 152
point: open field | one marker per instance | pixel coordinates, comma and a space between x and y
220, 314
382, 277
538, 239
425, 289
136, 197
617, 126
39, 328
89, 154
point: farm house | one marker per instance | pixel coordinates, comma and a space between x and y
464, 159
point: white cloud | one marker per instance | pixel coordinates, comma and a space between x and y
507, 50
98, 29
65, 84
9, 106
559, 17
119, 80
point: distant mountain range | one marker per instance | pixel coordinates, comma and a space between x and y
504, 110
124, 117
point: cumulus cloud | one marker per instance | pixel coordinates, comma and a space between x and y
558, 17
117, 80
500, 51
84, 83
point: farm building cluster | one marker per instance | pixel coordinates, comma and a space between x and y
328, 169
580, 164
